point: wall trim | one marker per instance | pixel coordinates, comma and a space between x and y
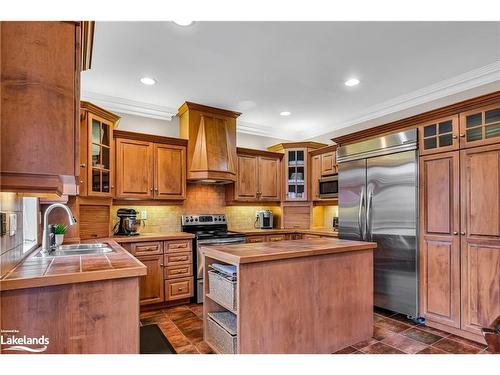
131, 107
455, 85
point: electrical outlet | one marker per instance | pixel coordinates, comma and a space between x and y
12, 224
144, 215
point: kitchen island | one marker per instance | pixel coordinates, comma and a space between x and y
300, 296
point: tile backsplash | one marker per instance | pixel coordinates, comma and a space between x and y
11, 247
323, 216
200, 199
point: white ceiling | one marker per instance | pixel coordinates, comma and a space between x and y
263, 68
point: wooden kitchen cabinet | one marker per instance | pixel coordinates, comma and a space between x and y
96, 151
480, 127
328, 163
296, 168
315, 176
258, 177
134, 169
150, 167
460, 239
480, 239
169, 270
440, 135
40, 94
170, 171
151, 285
439, 238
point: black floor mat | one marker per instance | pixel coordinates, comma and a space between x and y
153, 341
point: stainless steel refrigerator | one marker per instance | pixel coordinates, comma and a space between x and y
378, 201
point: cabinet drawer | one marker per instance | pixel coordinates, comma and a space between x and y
179, 288
276, 237
255, 239
305, 236
174, 272
178, 259
177, 246
146, 248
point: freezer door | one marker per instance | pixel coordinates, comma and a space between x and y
391, 216
352, 200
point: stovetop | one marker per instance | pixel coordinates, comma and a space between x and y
207, 226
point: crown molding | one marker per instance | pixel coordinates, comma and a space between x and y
131, 107
255, 129
455, 85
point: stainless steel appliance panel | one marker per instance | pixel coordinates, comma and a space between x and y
391, 221
352, 198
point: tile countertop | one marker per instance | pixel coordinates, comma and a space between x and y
321, 231
267, 251
162, 236
45, 271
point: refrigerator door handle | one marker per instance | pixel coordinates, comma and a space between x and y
369, 235
361, 204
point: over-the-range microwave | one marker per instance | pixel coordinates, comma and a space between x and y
329, 187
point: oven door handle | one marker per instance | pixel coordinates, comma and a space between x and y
220, 242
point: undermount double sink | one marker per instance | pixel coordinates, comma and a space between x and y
78, 249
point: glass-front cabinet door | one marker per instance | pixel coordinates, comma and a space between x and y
100, 156
480, 127
440, 135
296, 174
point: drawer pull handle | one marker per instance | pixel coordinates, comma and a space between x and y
178, 246
179, 258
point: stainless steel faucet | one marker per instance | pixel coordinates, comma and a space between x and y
47, 232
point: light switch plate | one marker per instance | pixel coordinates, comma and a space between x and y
12, 224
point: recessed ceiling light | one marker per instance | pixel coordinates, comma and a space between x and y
285, 113
148, 81
352, 82
183, 22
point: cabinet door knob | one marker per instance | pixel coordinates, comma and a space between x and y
150, 189
455, 233
462, 233
83, 165
455, 136
161, 265
462, 135
156, 189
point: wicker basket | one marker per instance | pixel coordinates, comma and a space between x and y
222, 290
223, 341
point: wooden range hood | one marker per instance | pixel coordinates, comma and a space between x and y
211, 135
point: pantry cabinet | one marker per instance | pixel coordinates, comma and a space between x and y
258, 177
460, 239
480, 236
150, 167
439, 238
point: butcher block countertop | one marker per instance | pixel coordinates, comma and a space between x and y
45, 271
163, 236
268, 251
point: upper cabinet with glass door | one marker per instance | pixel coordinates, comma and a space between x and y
480, 127
440, 135
96, 151
296, 184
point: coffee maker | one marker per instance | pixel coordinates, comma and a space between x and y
128, 224
264, 219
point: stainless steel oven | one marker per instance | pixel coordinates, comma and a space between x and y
329, 187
